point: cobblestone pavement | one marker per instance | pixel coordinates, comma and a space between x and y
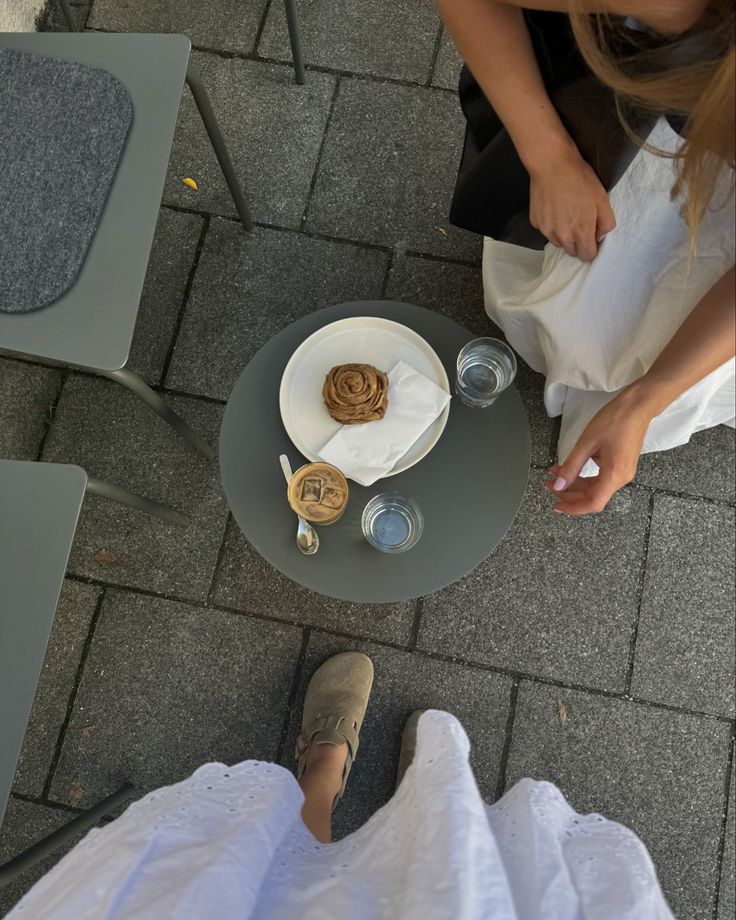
191, 648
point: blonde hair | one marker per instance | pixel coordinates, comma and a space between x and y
691, 75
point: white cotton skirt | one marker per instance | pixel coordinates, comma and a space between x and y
592, 328
229, 843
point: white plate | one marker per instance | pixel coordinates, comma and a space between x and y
359, 340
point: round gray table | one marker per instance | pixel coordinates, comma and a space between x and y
469, 487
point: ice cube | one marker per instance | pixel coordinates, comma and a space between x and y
332, 498
311, 490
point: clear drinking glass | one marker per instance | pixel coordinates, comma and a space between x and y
485, 368
392, 523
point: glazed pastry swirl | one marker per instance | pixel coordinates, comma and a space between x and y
356, 393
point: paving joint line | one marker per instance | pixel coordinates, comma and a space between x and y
580, 688
298, 669
61, 738
387, 275
507, 739
641, 584
47, 803
220, 554
435, 55
313, 234
51, 409
257, 58
661, 490
513, 674
724, 829
185, 299
224, 608
172, 391
416, 625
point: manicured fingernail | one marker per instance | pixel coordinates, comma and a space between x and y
559, 484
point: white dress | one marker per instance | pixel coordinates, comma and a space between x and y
592, 328
229, 843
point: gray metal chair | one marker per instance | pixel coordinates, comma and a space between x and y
92, 325
292, 21
39, 509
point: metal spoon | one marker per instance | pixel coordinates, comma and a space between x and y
306, 536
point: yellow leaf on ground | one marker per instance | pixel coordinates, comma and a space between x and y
190, 183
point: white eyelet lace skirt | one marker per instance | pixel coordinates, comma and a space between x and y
229, 843
592, 328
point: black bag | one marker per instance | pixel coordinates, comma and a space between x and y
492, 190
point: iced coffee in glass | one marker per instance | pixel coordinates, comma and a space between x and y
319, 493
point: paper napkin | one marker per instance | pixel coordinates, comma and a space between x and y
366, 452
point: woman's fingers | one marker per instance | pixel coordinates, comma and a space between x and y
552, 237
569, 471
589, 501
606, 221
586, 246
589, 495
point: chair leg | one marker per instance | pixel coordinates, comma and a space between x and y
218, 143
124, 497
141, 389
13, 867
295, 38
67, 11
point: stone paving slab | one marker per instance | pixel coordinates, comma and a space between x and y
168, 687
27, 393
402, 683
172, 258
726, 893
273, 129
225, 25
388, 169
457, 291
63, 655
386, 39
247, 288
447, 69
115, 437
659, 772
557, 598
451, 288
24, 824
704, 467
685, 645
245, 581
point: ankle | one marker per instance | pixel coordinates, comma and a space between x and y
326, 758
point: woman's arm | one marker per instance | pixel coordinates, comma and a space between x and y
568, 204
614, 437
703, 342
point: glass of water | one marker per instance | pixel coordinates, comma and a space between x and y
485, 368
392, 523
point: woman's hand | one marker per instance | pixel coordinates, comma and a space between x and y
613, 438
568, 204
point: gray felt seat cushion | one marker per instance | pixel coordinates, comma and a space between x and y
63, 128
